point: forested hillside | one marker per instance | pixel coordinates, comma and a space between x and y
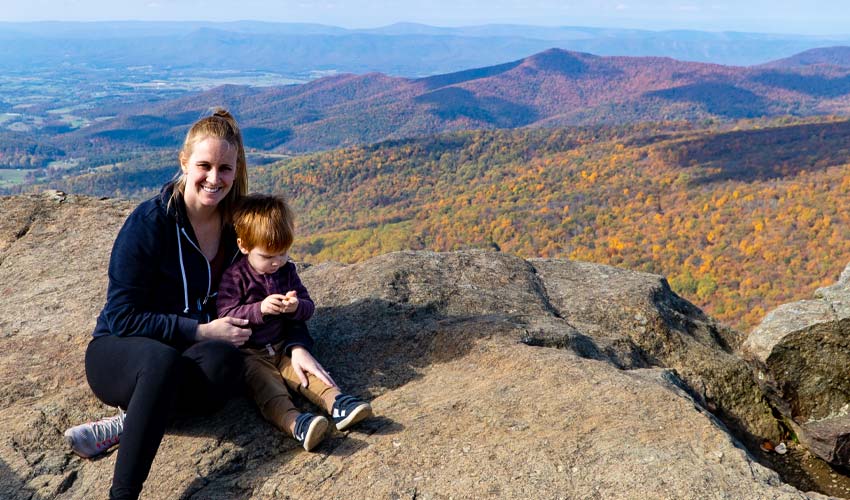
548, 89
740, 216
552, 88
739, 220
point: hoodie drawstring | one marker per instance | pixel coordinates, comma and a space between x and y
209, 269
182, 270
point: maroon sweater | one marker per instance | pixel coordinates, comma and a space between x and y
243, 289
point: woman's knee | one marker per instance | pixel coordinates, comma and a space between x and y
220, 361
132, 353
115, 366
163, 361
217, 365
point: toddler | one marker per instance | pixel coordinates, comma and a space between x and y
263, 287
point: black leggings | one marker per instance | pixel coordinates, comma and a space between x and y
151, 380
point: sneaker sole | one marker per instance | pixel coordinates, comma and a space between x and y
361, 412
315, 433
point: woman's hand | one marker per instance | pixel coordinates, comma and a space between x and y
303, 363
228, 329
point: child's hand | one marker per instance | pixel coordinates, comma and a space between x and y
273, 304
290, 302
303, 363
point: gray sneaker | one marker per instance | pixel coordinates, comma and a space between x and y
93, 438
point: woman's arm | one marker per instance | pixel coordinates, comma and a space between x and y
130, 298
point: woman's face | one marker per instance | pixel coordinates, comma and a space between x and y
210, 171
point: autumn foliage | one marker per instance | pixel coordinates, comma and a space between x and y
737, 231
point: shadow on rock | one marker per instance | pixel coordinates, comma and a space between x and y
246, 448
375, 345
13, 486
370, 346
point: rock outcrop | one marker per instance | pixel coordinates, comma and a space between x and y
491, 376
803, 349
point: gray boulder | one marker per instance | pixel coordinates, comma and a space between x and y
803, 351
490, 375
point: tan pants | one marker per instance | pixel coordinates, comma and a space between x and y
270, 377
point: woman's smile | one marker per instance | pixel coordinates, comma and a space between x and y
210, 171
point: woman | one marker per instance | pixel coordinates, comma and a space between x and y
156, 346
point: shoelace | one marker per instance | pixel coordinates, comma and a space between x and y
108, 428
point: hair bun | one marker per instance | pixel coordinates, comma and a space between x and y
222, 112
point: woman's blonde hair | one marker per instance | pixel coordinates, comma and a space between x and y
220, 125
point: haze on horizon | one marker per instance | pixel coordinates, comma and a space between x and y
816, 17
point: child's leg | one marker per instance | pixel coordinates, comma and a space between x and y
344, 410
319, 393
269, 390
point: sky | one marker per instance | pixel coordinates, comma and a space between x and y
815, 17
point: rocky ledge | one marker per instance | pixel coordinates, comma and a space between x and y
491, 376
803, 350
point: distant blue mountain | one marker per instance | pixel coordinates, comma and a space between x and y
406, 49
143, 29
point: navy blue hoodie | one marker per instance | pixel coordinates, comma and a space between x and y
160, 284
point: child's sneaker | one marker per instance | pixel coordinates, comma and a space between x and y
93, 438
310, 430
348, 410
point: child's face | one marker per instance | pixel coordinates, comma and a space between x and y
262, 260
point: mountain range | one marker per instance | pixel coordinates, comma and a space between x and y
551, 88
411, 50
